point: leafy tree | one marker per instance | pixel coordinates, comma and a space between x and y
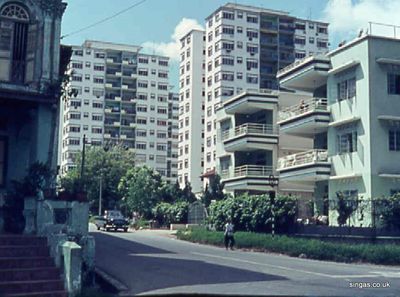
345, 208
167, 213
141, 188
206, 197
109, 164
216, 188
187, 194
388, 210
171, 193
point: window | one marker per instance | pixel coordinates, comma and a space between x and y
239, 30
346, 89
252, 79
2, 161
322, 30
322, 43
252, 34
143, 60
300, 55
77, 65
97, 130
229, 30
164, 62
252, 49
97, 117
141, 145
300, 26
88, 64
252, 19
394, 140
347, 142
97, 104
311, 40
393, 83
228, 15
98, 80
143, 72
300, 40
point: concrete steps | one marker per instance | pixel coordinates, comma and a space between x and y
26, 268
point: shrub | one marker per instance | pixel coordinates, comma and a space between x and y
387, 254
253, 213
166, 213
388, 209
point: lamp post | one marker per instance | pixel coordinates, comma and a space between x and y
273, 182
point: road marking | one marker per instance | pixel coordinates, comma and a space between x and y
286, 268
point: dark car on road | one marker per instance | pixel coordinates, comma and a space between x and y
112, 220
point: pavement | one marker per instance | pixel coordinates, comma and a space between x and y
155, 263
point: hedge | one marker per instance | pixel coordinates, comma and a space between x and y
387, 254
166, 213
254, 213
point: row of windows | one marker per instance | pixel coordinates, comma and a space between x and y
162, 147
143, 121
145, 60
88, 52
77, 116
311, 26
79, 65
230, 15
78, 103
77, 129
145, 84
311, 40
145, 72
229, 46
230, 76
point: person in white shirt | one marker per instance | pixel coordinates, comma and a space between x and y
228, 235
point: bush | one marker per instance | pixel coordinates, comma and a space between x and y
387, 254
253, 213
166, 213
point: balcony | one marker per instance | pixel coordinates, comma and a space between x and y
250, 136
247, 178
306, 75
250, 102
305, 167
305, 119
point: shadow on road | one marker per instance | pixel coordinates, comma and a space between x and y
143, 268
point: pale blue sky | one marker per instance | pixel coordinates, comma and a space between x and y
155, 20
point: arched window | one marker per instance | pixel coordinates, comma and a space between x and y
15, 44
14, 11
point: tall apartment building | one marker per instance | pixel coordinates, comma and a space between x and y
245, 46
122, 96
353, 121
191, 109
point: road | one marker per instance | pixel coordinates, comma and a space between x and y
150, 262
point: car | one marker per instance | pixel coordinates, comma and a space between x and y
112, 220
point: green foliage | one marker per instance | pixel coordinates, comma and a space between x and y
345, 208
386, 254
166, 213
187, 194
213, 191
37, 179
253, 213
141, 188
171, 192
110, 164
388, 210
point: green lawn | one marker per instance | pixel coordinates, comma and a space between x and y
387, 254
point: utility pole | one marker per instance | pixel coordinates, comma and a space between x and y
100, 193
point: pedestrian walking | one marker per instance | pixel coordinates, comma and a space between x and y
228, 235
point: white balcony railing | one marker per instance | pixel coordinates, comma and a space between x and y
303, 158
303, 107
250, 128
297, 63
247, 171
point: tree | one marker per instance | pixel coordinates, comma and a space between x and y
171, 193
141, 188
187, 194
206, 197
216, 188
109, 164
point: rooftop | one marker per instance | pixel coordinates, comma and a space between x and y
249, 8
111, 46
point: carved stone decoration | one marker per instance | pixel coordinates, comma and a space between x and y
52, 7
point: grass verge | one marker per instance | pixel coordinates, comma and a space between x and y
385, 254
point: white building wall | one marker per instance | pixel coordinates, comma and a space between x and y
191, 115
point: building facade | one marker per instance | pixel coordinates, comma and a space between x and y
244, 47
120, 96
191, 109
353, 120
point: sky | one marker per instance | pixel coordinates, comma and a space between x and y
157, 25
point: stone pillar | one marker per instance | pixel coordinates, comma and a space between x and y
72, 267
30, 215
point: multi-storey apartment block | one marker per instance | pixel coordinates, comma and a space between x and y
353, 121
244, 47
191, 114
122, 96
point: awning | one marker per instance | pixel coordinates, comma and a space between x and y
389, 175
353, 175
389, 118
344, 121
345, 66
388, 61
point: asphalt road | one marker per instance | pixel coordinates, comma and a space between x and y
150, 262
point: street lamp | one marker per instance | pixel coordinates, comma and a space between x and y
273, 182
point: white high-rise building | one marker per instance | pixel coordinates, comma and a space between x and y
122, 96
191, 113
244, 46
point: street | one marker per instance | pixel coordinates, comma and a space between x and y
151, 262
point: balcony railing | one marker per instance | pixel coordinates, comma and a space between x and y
305, 106
303, 158
250, 128
247, 171
295, 64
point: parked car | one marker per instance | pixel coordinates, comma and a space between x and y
112, 220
